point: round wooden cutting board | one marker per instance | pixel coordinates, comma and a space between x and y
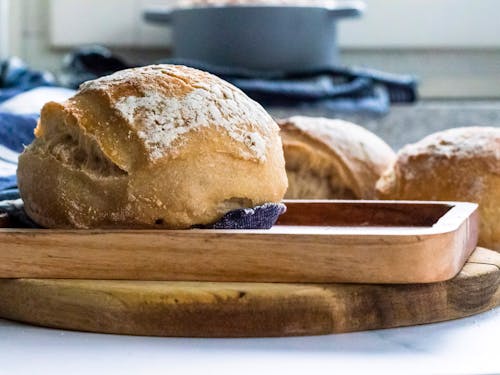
205, 309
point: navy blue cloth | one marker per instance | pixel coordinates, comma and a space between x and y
16, 214
260, 217
90, 62
9, 194
327, 84
16, 77
336, 89
8, 182
16, 131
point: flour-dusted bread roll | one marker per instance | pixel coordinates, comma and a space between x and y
332, 159
461, 164
159, 146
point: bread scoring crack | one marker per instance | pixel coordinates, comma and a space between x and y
79, 151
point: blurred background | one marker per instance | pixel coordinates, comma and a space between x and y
436, 62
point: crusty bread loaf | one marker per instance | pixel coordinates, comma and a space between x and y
332, 159
159, 146
461, 164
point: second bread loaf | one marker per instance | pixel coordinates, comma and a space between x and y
332, 159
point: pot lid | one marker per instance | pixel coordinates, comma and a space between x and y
222, 3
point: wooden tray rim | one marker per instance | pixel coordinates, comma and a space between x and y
282, 254
457, 214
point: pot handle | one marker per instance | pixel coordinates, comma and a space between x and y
347, 9
158, 15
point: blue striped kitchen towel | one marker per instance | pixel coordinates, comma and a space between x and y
336, 89
15, 131
23, 91
18, 118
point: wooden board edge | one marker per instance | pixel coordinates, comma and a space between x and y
248, 309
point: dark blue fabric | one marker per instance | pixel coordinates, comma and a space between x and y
16, 77
336, 89
320, 84
16, 214
16, 131
8, 182
260, 217
9, 194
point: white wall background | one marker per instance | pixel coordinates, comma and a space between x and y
387, 23
426, 24
452, 45
4, 28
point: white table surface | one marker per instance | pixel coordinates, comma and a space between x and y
465, 346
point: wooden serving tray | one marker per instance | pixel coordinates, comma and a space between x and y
315, 241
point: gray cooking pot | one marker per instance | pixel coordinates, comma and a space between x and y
257, 37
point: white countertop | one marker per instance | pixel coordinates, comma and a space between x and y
466, 346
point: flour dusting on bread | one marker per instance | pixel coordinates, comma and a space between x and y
200, 100
468, 143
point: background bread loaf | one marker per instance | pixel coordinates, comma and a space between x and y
332, 159
461, 164
158, 146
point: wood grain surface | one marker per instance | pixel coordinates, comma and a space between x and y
206, 309
315, 241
